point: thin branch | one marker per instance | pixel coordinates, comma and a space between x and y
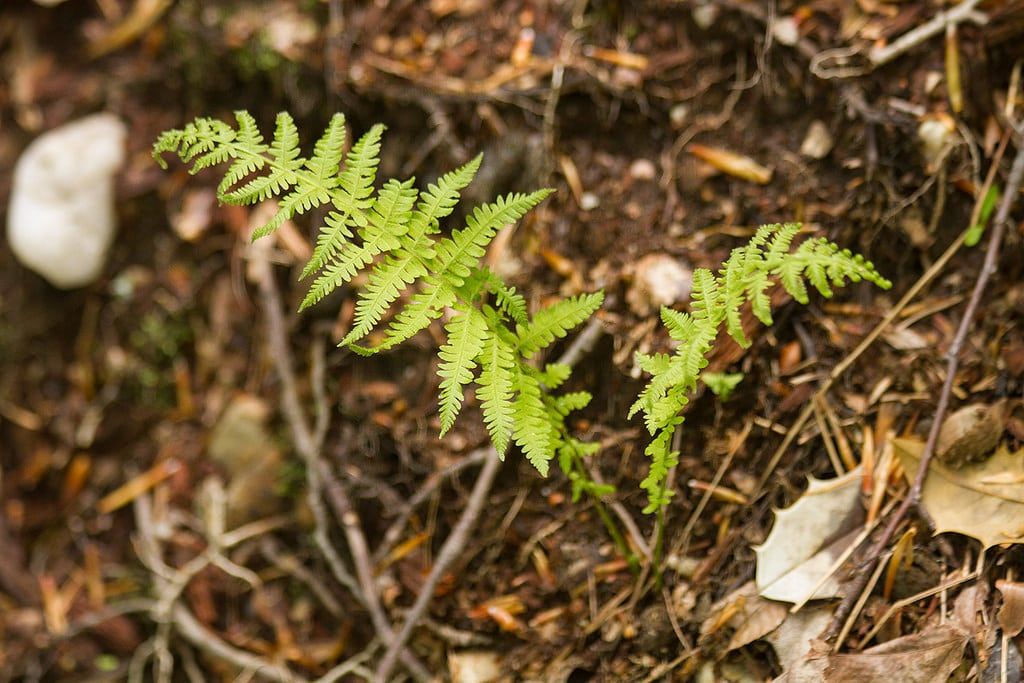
206, 640
318, 474
455, 542
431, 484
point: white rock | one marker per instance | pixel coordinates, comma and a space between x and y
786, 31
474, 666
658, 280
935, 135
705, 15
61, 221
818, 141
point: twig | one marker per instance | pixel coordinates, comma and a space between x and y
913, 497
305, 440
319, 476
206, 640
455, 542
432, 483
937, 24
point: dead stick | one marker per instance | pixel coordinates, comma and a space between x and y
305, 443
988, 268
453, 545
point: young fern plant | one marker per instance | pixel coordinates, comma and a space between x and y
394, 235
716, 300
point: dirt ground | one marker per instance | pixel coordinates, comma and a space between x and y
142, 417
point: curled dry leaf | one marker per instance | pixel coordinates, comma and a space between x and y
1011, 613
734, 164
984, 501
801, 655
806, 539
970, 434
924, 657
750, 616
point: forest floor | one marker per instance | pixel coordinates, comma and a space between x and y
156, 522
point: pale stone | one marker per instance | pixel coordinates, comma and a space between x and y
818, 141
474, 666
61, 220
658, 280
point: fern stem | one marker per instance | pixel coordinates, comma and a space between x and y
609, 523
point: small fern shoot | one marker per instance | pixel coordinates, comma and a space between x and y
716, 301
394, 235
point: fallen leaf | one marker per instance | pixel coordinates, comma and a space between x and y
905, 339
972, 500
807, 537
734, 164
802, 656
750, 616
924, 657
970, 434
1011, 613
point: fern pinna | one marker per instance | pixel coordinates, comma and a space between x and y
717, 299
394, 233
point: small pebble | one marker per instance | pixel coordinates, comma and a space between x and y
786, 31
935, 133
705, 15
818, 142
658, 280
589, 201
678, 115
642, 169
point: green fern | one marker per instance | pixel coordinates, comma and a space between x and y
716, 301
394, 236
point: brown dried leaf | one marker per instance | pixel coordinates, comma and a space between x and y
924, 657
751, 616
970, 434
734, 164
1011, 613
984, 500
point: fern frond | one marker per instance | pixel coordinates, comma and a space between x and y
394, 237
351, 200
534, 432
466, 334
717, 300
494, 390
457, 255
555, 321
388, 219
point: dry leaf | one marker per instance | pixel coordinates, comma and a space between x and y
795, 641
1011, 613
734, 164
924, 657
807, 537
751, 616
970, 434
974, 500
